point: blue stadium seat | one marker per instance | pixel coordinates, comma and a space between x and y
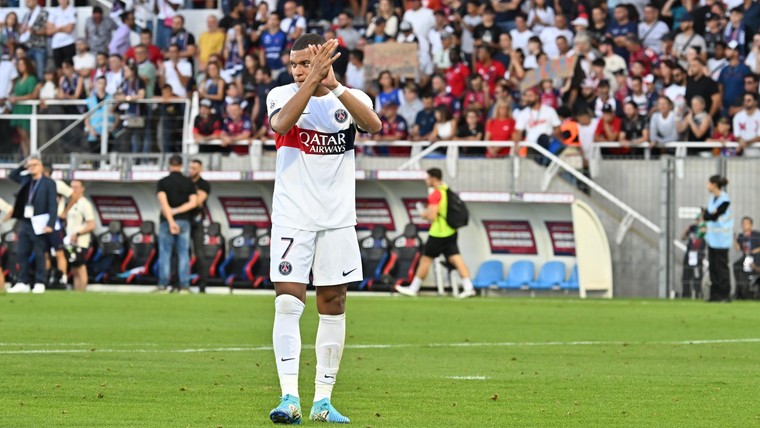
489, 274
572, 282
520, 276
551, 277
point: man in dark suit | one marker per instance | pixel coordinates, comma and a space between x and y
36, 197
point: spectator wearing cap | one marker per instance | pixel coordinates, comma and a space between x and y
540, 16
98, 30
620, 28
746, 124
345, 30
385, 10
699, 84
120, 38
651, 29
550, 34
580, 24
731, 80
713, 34
236, 129
608, 128
737, 31
406, 33
394, 128
637, 52
487, 32
613, 62
688, 38
177, 198
662, 125
207, 126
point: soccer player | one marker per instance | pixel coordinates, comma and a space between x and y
313, 216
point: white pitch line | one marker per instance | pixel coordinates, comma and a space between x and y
380, 346
467, 377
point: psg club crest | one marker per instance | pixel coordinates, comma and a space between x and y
286, 268
341, 115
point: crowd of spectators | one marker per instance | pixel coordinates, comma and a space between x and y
655, 73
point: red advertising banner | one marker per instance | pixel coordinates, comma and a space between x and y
411, 211
562, 236
510, 237
373, 212
121, 208
245, 212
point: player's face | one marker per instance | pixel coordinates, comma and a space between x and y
300, 64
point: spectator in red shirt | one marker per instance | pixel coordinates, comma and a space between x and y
476, 97
206, 127
549, 94
154, 53
394, 128
637, 52
500, 128
488, 68
457, 74
608, 128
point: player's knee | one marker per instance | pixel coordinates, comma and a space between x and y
288, 305
332, 304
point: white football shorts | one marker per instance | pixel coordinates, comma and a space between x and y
331, 255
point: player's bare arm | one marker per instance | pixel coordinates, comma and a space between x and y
309, 68
364, 116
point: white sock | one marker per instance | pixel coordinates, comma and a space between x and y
416, 284
286, 339
331, 336
467, 284
64, 279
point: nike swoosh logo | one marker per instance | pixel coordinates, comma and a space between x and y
349, 272
287, 359
306, 112
329, 377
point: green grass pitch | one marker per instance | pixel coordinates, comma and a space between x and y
106, 360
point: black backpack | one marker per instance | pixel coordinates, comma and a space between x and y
457, 215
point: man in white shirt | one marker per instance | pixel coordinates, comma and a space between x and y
676, 92
651, 29
80, 222
422, 20
293, 24
613, 62
747, 125
115, 74
549, 36
62, 26
84, 60
175, 72
521, 34
539, 122
355, 70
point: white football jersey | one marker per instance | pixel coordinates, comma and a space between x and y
315, 172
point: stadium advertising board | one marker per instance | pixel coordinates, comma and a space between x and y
411, 211
398, 58
121, 208
245, 212
510, 237
373, 212
562, 236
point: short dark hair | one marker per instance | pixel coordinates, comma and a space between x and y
307, 39
198, 161
435, 173
146, 31
175, 160
748, 218
358, 54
